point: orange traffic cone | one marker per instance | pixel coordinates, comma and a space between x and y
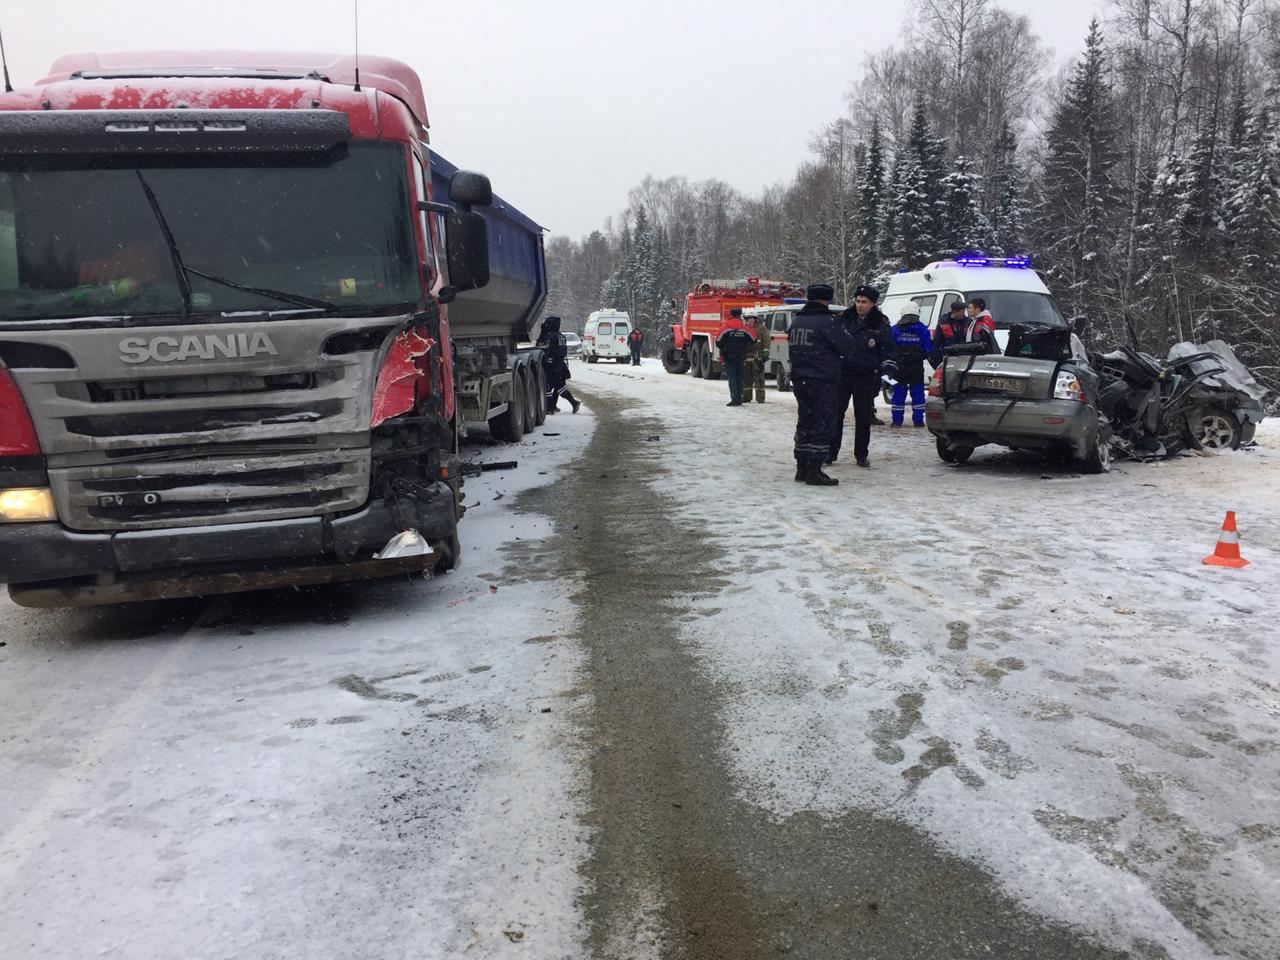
1227, 552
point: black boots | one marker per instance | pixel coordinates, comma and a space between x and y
576, 404
814, 477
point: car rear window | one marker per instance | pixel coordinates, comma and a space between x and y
621, 328
604, 329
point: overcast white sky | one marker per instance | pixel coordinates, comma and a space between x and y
566, 104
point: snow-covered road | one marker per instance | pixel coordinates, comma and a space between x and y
1001, 705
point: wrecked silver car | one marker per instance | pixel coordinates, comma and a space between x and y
1200, 397
1041, 394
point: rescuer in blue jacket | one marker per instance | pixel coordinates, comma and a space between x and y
912, 346
821, 348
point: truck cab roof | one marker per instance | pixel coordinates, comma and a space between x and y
392, 77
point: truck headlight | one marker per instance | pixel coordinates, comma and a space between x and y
27, 505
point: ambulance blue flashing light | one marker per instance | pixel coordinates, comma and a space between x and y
1019, 261
794, 300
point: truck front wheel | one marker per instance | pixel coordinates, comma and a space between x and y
675, 360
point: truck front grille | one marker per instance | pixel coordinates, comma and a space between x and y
210, 489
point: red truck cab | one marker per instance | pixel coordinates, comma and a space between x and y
223, 309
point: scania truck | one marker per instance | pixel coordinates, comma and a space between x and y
245, 315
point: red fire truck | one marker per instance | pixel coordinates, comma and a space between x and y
693, 340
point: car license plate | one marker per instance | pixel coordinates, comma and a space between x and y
1003, 384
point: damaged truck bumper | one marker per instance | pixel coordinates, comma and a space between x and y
47, 565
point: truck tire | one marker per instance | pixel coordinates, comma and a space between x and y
451, 548
509, 425
539, 380
695, 358
675, 360
714, 370
784, 381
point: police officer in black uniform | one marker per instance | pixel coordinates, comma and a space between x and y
820, 348
873, 358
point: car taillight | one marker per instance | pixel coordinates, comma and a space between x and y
17, 433
1069, 387
935, 384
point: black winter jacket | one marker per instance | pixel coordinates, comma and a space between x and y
819, 344
873, 337
735, 343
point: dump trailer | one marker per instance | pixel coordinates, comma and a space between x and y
245, 316
500, 380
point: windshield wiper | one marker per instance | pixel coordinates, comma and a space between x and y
182, 270
295, 298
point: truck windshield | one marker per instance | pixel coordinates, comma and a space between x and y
1020, 306
80, 236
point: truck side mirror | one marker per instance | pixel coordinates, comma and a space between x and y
468, 189
1078, 325
467, 250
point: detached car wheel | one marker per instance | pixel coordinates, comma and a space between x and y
1219, 430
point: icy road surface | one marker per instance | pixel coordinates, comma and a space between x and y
998, 710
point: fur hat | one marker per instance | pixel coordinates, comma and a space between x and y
820, 291
868, 291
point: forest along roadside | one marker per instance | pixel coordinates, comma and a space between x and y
680, 864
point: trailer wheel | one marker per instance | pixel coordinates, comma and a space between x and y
538, 388
509, 425
675, 360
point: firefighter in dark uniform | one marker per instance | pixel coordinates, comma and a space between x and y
873, 358
820, 347
757, 360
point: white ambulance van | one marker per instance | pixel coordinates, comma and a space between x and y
1013, 291
605, 336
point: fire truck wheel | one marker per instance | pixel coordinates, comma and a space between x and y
675, 360
695, 358
714, 370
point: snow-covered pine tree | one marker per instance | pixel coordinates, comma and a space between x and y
871, 196
1079, 201
963, 225
1254, 207
1007, 204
